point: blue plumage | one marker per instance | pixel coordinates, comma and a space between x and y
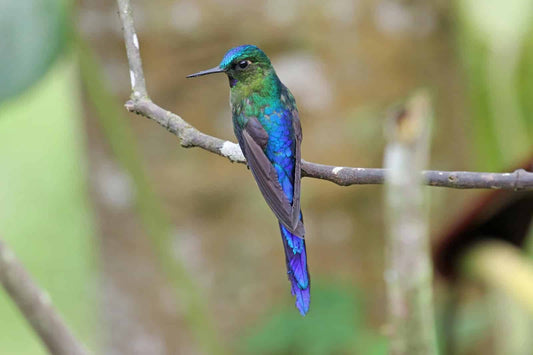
267, 126
277, 121
296, 259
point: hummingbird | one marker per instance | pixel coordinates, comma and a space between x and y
267, 127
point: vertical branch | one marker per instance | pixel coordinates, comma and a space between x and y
35, 305
158, 228
138, 85
408, 273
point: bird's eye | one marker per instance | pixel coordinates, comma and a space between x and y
243, 64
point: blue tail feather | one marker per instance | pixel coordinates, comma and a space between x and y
296, 259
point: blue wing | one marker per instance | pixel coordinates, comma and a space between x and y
253, 140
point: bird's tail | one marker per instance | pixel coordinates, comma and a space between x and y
296, 259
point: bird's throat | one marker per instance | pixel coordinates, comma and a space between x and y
232, 81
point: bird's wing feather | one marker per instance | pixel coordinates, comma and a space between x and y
295, 212
254, 139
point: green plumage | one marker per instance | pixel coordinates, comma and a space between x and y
267, 126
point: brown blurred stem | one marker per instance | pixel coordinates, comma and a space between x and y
408, 268
36, 306
189, 137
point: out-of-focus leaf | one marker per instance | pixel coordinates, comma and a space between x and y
487, 153
471, 321
33, 34
499, 21
525, 81
45, 215
334, 325
493, 37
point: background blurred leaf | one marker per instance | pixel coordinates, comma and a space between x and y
33, 34
469, 323
500, 21
45, 215
334, 326
525, 81
494, 38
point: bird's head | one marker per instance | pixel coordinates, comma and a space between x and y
246, 65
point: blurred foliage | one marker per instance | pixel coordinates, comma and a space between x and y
461, 327
495, 40
336, 325
44, 212
33, 34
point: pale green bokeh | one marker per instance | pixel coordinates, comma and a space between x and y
34, 33
44, 211
495, 37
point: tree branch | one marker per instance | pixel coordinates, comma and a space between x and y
189, 137
36, 306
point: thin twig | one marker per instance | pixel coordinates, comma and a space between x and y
408, 267
36, 306
189, 137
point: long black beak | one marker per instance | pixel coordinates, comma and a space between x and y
214, 70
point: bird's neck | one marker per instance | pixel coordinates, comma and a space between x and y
256, 91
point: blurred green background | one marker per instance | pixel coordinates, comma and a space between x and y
148, 248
